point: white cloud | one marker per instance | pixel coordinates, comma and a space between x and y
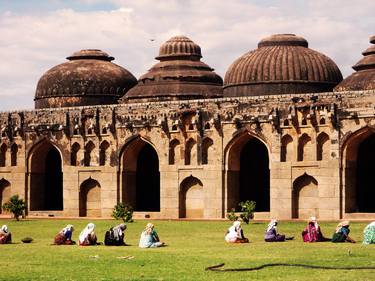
32, 43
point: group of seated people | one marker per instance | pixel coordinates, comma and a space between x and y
312, 233
113, 237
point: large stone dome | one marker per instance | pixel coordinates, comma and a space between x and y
88, 78
179, 75
282, 64
364, 77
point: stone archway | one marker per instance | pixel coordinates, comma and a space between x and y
359, 171
5, 192
90, 199
305, 197
46, 178
140, 176
191, 198
248, 174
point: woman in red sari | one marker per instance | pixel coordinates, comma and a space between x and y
312, 232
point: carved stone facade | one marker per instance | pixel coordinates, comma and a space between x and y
296, 155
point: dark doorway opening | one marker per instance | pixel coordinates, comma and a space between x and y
365, 188
255, 175
147, 180
53, 186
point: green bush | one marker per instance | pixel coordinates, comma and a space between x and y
232, 215
16, 206
123, 211
247, 209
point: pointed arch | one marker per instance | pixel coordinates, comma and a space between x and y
13, 154
90, 198
305, 197
191, 198
322, 147
304, 148
174, 152
74, 161
5, 192
286, 149
103, 153
190, 152
88, 158
140, 175
207, 145
3, 155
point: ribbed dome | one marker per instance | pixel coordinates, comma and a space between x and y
282, 64
88, 78
179, 75
364, 77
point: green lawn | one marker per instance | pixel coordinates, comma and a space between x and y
192, 246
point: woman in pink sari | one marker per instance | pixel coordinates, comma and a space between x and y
312, 232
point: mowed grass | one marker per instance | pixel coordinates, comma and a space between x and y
192, 246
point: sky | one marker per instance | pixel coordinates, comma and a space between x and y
36, 35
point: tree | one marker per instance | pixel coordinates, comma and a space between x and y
247, 208
16, 206
123, 211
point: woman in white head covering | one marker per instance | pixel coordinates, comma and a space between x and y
271, 234
64, 237
115, 236
369, 234
312, 232
5, 235
342, 233
149, 238
87, 237
235, 234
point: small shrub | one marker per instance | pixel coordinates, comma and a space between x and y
123, 211
232, 215
247, 209
16, 206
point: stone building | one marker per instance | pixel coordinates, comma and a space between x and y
282, 129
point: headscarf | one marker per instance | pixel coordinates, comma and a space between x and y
314, 221
372, 224
272, 225
86, 232
341, 225
236, 225
118, 231
4, 229
149, 228
67, 228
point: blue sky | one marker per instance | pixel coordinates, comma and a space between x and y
37, 35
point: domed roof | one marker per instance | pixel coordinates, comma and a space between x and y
282, 64
179, 75
364, 77
88, 78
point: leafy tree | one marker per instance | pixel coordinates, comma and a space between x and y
123, 211
247, 209
16, 206
232, 215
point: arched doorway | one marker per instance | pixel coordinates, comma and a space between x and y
141, 176
359, 171
90, 199
191, 199
46, 178
305, 197
4, 192
248, 175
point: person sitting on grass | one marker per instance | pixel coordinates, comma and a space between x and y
342, 233
64, 237
87, 237
149, 238
271, 234
312, 232
369, 234
115, 236
235, 234
5, 235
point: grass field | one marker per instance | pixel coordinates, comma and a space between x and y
192, 246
